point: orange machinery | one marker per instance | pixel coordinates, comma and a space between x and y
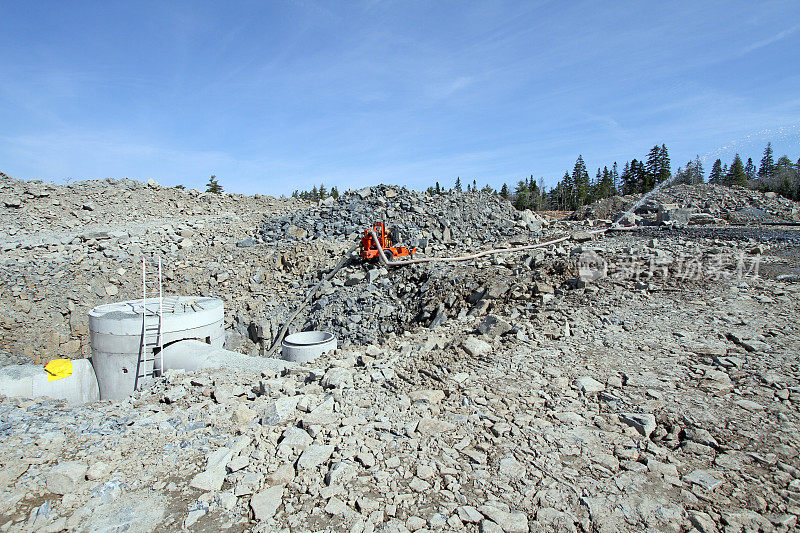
370, 251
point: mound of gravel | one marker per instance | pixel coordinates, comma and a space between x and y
709, 202
450, 218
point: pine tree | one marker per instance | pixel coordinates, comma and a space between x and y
335, 192
580, 180
605, 184
213, 185
438, 188
767, 169
614, 179
664, 172
652, 168
458, 183
594, 187
567, 192
693, 173
750, 169
315, 193
474, 185
504, 191
716, 172
699, 174
628, 180
323, 192
522, 196
736, 175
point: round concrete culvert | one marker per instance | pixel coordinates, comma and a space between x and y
307, 345
116, 335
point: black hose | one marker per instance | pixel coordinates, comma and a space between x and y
308, 299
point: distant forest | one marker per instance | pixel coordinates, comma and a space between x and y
577, 188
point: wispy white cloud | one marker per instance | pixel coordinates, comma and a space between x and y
772, 39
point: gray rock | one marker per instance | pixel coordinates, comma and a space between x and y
644, 423
510, 522
469, 514
213, 476
431, 396
429, 426
702, 478
296, 438
338, 378
280, 411
315, 455
476, 347
588, 385
493, 326
66, 477
340, 473
701, 436
265, 503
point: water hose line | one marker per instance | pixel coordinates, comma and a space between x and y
472, 256
386, 262
308, 299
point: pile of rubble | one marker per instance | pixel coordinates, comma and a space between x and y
617, 382
696, 205
462, 219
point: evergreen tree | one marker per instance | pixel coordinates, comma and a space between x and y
699, 173
693, 173
504, 191
522, 196
542, 195
438, 188
767, 169
458, 183
594, 185
580, 180
664, 172
605, 184
323, 192
335, 193
628, 180
213, 185
474, 185
784, 166
567, 193
614, 179
652, 168
750, 169
716, 172
736, 175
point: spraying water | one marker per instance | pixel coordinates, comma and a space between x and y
644, 198
781, 132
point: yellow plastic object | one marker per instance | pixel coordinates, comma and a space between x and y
58, 368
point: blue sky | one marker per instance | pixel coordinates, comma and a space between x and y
277, 96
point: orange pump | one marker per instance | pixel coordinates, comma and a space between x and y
369, 250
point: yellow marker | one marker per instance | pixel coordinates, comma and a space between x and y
58, 368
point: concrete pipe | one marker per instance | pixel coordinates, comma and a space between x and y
116, 336
193, 355
30, 381
307, 345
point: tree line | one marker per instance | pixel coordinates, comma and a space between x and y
577, 188
638, 176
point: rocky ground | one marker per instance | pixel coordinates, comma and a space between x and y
518, 392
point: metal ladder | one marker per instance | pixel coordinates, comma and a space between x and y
151, 358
